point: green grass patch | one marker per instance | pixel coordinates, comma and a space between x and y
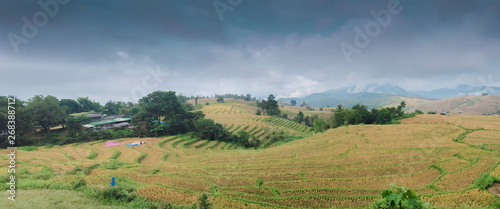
79, 170
215, 145
28, 148
164, 157
112, 164
68, 157
92, 155
115, 155
155, 171
223, 146
259, 183
484, 181
186, 145
174, 145
202, 144
289, 139
165, 141
141, 157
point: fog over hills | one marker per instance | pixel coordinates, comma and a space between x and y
375, 95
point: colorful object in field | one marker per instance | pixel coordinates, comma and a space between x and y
136, 143
113, 181
111, 143
161, 122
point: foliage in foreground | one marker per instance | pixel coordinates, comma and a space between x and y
399, 197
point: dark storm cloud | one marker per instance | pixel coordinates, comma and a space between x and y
290, 48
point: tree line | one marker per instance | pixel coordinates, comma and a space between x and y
357, 114
36, 117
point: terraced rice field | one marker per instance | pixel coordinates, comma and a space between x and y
236, 117
346, 167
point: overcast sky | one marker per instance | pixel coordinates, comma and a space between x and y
121, 50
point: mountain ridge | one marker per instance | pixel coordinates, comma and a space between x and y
375, 95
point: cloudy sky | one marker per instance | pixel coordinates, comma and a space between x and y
122, 50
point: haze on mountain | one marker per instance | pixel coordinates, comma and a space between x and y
122, 50
374, 95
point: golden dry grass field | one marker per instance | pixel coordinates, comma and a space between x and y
346, 167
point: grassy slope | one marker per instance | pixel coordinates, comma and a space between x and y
45, 198
343, 167
469, 105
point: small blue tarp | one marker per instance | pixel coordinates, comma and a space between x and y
161, 122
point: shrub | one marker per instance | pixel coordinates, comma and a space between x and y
399, 197
115, 194
484, 181
203, 202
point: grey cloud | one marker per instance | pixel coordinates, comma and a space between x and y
289, 48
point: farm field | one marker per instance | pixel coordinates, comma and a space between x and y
237, 116
346, 167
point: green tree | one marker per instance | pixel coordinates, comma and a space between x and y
87, 104
293, 102
399, 109
308, 121
203, 202
208, 129
364, 116
269, 107
320, 125
183, 101
70, 106
160, 104
134, 110
112, 108
248, 97
24, 118
47, 111
220, 99
74, 125
299, 118
339, 108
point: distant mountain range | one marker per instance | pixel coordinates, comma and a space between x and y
375, 95
461, 90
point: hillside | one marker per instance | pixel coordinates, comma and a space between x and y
468, 105
374, 96
346, 167
346, 99
236, 116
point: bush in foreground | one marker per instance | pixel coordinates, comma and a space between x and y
399, 197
